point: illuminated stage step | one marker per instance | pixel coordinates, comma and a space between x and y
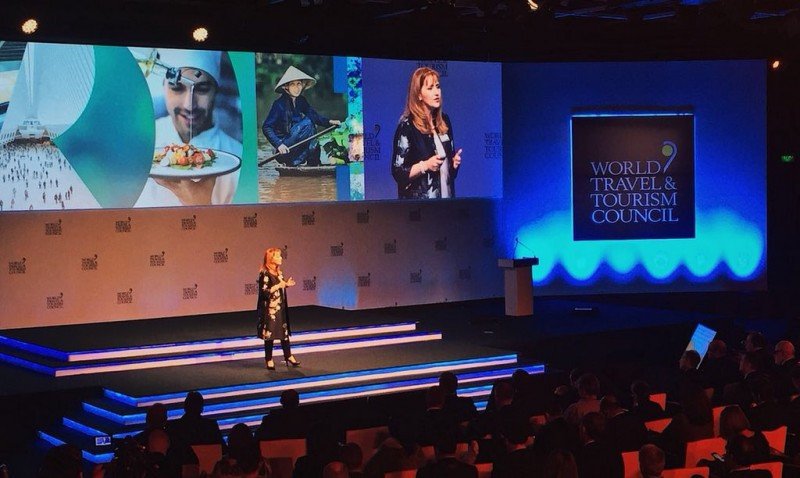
57, 368
118, 417
311, 392
191, 347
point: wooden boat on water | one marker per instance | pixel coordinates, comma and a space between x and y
306, 171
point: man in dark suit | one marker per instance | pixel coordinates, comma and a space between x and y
689, 377
446, 464
741, 393
431, 423
784, 363
461, 409
756, 343
192, 428
719, 369
597, 459
624, 430
555, 434
518, 461
643, 407
767, 413
287, 422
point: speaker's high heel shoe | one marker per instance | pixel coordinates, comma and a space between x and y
270, 365
292, 361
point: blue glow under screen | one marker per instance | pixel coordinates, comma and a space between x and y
727, 184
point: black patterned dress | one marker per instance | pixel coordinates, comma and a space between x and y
273, 319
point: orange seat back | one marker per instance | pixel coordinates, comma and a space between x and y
686, 472
658, 426
777, 438
207, 456
702, 449
630, 464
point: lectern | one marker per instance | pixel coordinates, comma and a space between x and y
518, 284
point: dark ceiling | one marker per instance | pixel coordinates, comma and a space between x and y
453, 29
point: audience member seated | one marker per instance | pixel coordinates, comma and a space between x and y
446, 464
63, 461
192, 428
782, 372
766, 413
322, 447
434, 419
651, 461
740, 452
733, 422
352, 456
624, 430
596, 458
560, 464
719, 369
555, 434
524, 395
643, 407
757, 344
243, 459
568, 394
335, 469
518, 461
460, 409
588, 389
398, 452
155, 419
741, 393
289, 421
161, 463
240, 442
689, 378
694, 422
486, 427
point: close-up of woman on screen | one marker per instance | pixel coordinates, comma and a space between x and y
424, 160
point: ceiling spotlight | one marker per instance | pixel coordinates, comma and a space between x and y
776, 64
533, 5
29, 26
200, 34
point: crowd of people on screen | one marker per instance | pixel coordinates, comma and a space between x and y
583, 430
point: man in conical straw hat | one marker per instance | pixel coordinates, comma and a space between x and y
291, 120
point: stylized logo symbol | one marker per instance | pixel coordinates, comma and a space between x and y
250, 288
190, 293
465, 274
56, 301
362, 217
390, 247
17, 267
158, 260
221, 257
189, 223
308, 219
250, 222
123, 226
52, 228
440, 244
89, 263
416, 277
125, 297
415, 215
364, 281
310, 284
337, 250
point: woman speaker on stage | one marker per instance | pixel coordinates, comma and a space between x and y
273, 319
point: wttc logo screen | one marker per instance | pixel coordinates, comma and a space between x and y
633, 177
